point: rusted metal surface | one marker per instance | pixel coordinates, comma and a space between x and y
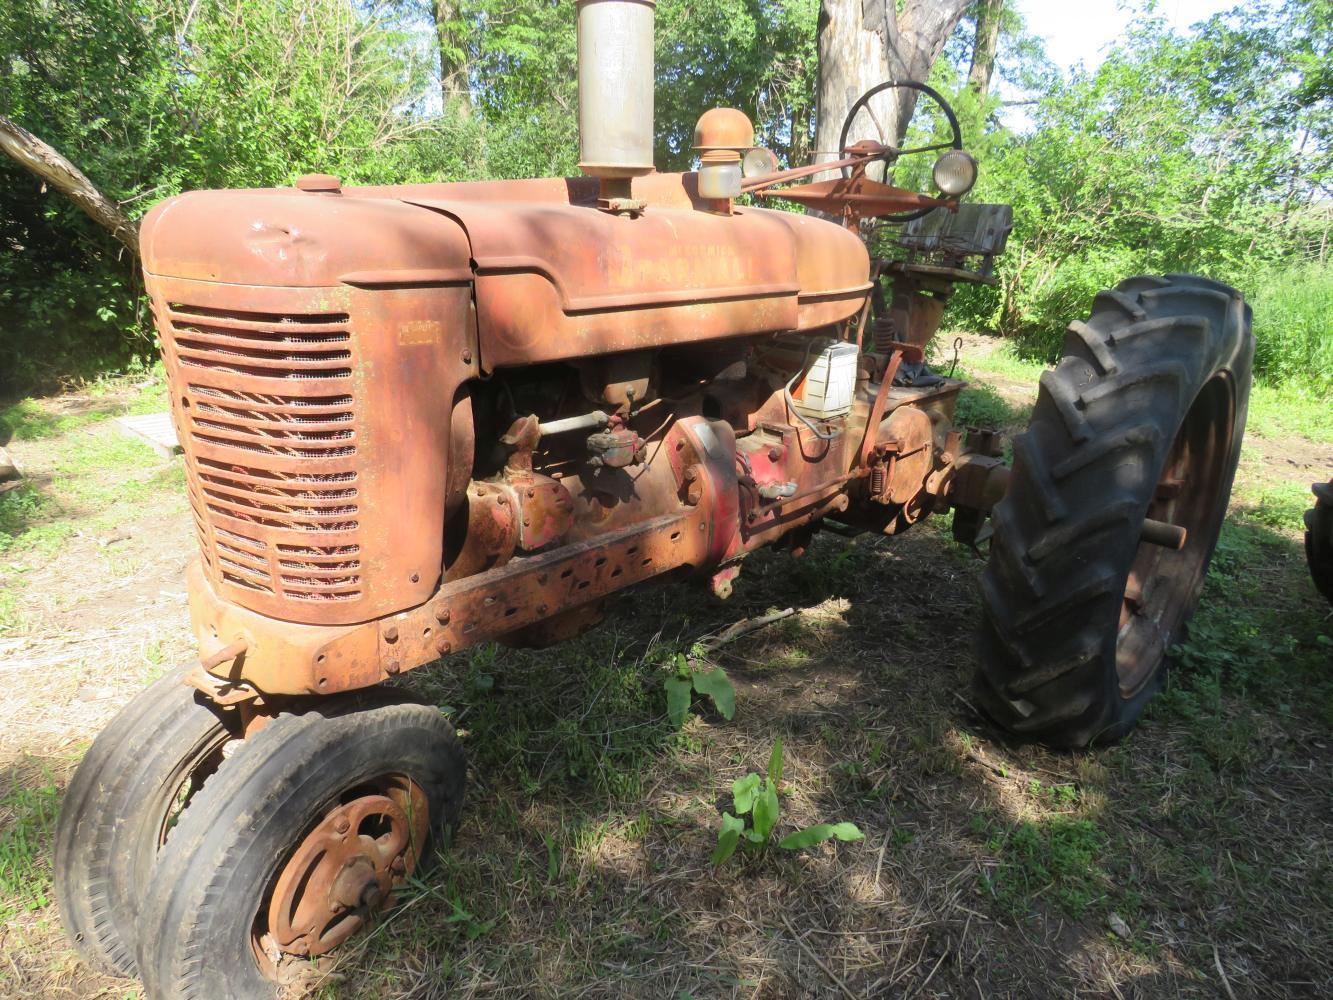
367, 499
853, 197
298, 469
723, 129
1184, 510
345, 870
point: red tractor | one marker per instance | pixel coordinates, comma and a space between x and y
422, 417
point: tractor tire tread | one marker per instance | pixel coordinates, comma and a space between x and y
1319, 539
1083, 475
108, 807
185, 949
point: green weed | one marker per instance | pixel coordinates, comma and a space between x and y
981, 406
1280, 411
1291, 310
139, 390
1276, 505
19, 509
1003, 360
1057, 856
755, 797
692, 678
28, 817
10, 618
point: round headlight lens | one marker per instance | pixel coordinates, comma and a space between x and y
759, 161
955, 173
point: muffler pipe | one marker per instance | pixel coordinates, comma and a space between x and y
615, 41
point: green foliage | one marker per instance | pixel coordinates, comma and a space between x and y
756, 796
1057, 856
819, 833
27, 817
152, 97
688, 680
982, 406
759, 57
1252, 641
1205, 153
1293, 334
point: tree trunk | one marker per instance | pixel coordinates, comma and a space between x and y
452, 46
866, 42
33, 155
989, 15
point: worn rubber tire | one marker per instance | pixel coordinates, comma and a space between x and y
1062, 659
1319, 539
195, 926
115, 813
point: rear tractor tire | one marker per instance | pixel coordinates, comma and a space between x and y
141, 772
1319, 539
1117, 496
296, 844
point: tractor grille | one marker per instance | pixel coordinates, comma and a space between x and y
269, 416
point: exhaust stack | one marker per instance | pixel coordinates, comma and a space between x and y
615, 43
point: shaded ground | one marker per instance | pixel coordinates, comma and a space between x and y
1191, 860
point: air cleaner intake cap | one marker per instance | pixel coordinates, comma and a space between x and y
723, 128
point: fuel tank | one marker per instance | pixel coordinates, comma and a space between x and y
318, 344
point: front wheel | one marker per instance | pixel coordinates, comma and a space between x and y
1116, 500
296, 844
132, 786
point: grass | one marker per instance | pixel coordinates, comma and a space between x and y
1291, 310
1282, 411
93, 479
35, 419
581, 866
1057, 857
27, 818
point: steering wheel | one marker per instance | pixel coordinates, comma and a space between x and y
863, 102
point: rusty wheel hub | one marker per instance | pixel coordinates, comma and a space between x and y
344, 871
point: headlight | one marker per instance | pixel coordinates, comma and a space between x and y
759, 162
955, 173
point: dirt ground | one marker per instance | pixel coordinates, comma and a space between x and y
1191, 860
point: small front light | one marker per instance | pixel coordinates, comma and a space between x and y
759, 162
955, 173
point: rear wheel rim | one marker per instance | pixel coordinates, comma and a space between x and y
1163, 583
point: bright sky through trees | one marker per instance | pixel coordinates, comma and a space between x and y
1080, 32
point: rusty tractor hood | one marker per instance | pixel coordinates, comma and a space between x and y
554, 276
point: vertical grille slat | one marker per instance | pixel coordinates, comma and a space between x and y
267, 404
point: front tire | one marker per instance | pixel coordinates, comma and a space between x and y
296, 844
130, 787
1135, 436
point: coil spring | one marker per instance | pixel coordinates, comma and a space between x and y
879, 480
884, 333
